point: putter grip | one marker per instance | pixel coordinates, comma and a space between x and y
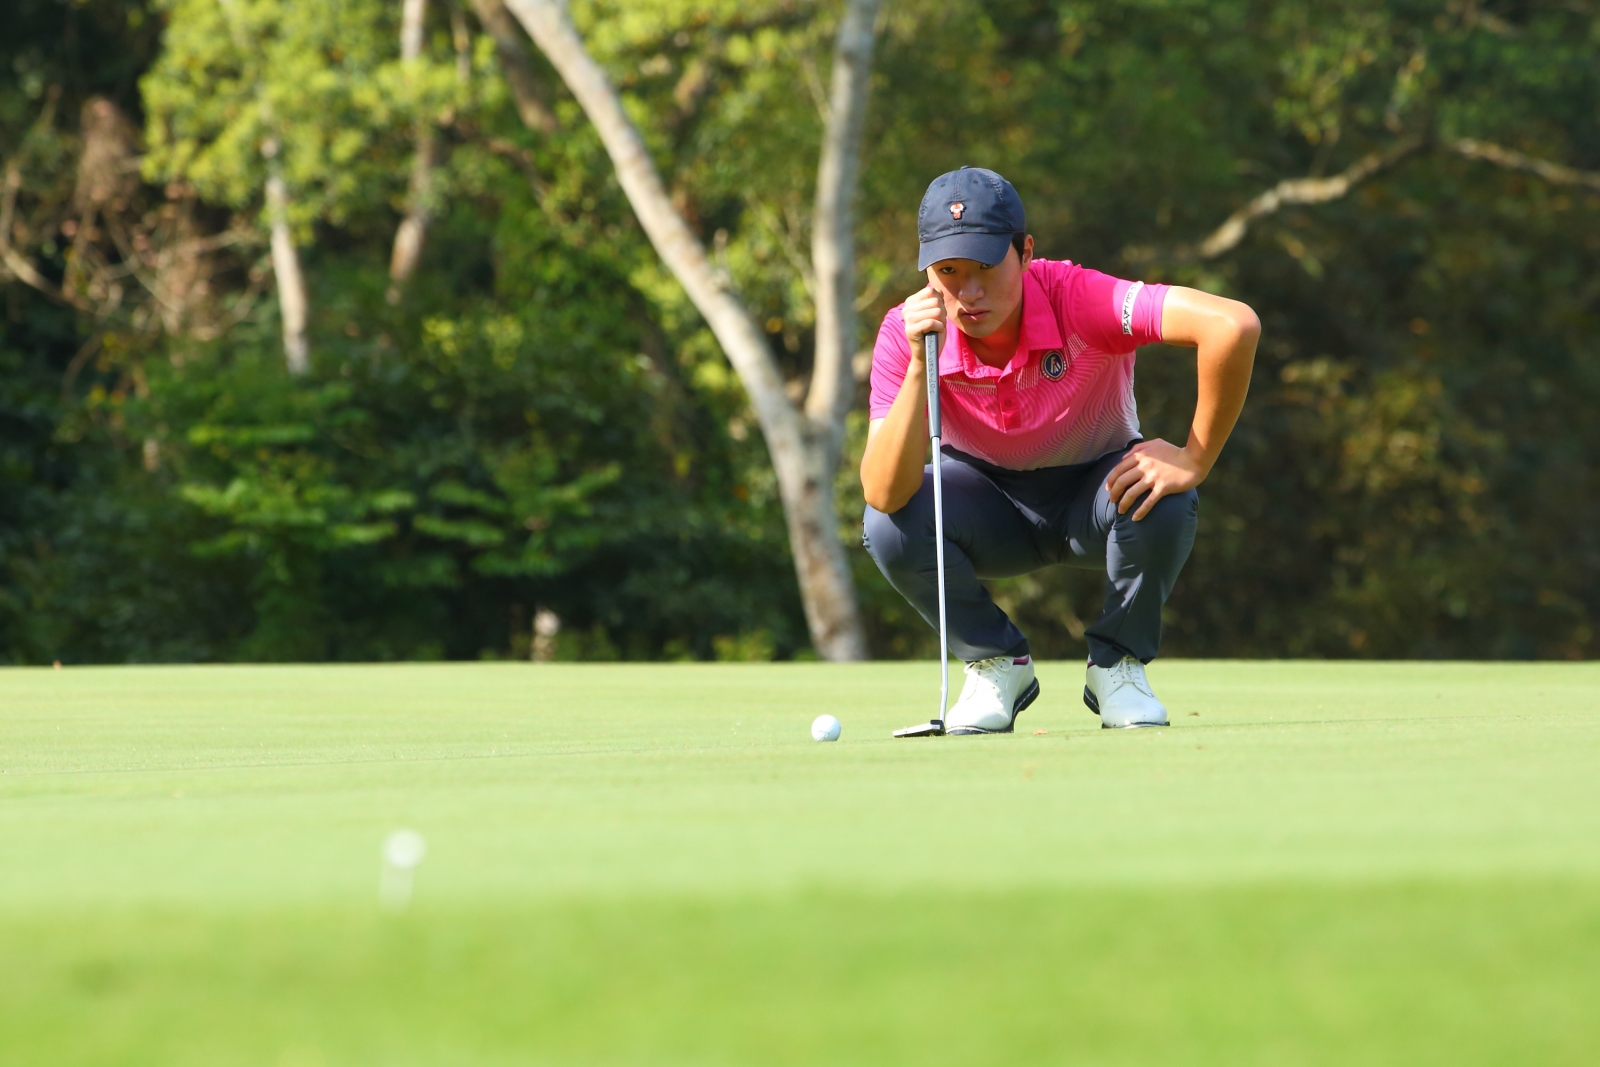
930, 355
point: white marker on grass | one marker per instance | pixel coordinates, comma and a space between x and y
402, 851
825, 728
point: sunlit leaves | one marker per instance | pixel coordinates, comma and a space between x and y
320, 81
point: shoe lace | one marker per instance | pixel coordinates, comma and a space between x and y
988, 671
1130, 671
990, 665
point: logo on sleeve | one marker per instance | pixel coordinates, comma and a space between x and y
956, 209
1128, 300
1053, 366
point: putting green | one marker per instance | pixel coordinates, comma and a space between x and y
632, 864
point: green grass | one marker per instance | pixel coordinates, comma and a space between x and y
1318, 864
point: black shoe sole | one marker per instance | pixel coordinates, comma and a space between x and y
1093, 705
1028, 697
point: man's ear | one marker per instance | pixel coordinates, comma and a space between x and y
1027, 251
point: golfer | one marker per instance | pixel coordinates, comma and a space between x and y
1043, 461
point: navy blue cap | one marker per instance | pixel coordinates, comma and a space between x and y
969, 213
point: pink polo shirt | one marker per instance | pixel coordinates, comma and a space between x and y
1066, 397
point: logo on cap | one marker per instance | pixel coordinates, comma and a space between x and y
1053, 366
956, 209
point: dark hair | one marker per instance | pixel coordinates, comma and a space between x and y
1017, 240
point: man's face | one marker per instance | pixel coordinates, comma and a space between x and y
978, 297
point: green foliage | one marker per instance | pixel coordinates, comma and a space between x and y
320, 84
1411, 476
543, 422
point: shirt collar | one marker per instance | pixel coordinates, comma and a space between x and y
1039, 328
1039, 331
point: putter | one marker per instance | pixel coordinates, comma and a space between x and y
934, 727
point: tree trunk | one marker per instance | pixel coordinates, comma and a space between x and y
413, 230
292, 303
515, 64
833, 253
801, 454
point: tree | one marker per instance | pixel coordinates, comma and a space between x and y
413, 229
545, 426
297, 109
1419, 395
292, 299
804, 443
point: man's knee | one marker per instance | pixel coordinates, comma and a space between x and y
898, 541
1171, 521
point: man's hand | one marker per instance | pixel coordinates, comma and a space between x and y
891, 465
924, 314
1152, 469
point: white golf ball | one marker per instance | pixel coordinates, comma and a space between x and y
404, 849
826, 728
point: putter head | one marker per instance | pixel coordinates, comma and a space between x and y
932, 728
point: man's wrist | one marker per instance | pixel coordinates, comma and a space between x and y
1202, 462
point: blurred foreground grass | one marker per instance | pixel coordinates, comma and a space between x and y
1318, 864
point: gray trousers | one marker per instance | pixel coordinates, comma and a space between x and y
1000, 523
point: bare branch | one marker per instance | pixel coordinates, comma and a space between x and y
412, 232
1514, 160
242, 306
16, 264
1473, 16
461, 37
1322, 190
819, 95
413, 229
85, 352
1302, 191
787, 244
234, 235
516, 65
522, 158
695, 82
293, 304
18, 267
133, 265
292, 301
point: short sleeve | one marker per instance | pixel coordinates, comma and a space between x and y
890, 358
1114, 314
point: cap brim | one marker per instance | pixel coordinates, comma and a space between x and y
987, 248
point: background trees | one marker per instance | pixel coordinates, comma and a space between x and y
541, 425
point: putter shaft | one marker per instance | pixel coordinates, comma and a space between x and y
930, 352
934, 727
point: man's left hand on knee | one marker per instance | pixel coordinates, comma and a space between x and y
1152, 470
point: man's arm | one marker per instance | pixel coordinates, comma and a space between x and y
1225, 333
897, 444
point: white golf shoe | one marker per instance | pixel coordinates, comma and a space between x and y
996, 692
1121, 696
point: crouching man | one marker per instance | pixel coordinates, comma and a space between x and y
1043, 462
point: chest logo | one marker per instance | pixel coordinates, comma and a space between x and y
956, 209
1053, 366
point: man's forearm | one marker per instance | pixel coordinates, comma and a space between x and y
1223, 361
891, 466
